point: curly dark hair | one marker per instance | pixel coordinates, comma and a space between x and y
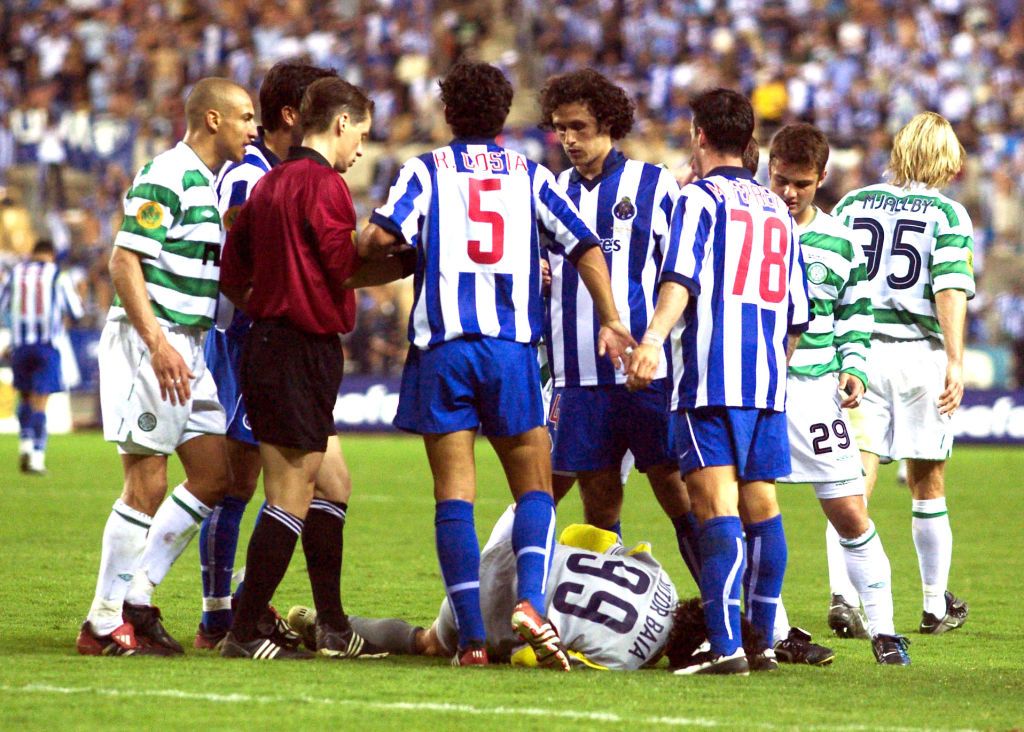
689, 632
283, 86
476, 98
726, 118
610, 105
800, 144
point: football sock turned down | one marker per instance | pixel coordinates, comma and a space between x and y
933, 539
766, 567
722, 557
174, 524
391, 634
322, 543
270, 551
124, 538
218, 541
533, 535
458, 553
687, 533
869, 570
838, 578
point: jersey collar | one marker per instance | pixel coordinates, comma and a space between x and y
267, 153
731, 171
612, 163
473, 141
298, 152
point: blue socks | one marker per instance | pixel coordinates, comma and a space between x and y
218, 539
687, 536
38, 426
458, 553
533, 535
766, 567
24, 412
722, 558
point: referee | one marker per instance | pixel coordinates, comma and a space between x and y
286, 260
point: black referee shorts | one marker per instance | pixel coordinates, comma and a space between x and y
290, 381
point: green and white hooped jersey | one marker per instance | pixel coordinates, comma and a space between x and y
920, 242
171, 219
839, 335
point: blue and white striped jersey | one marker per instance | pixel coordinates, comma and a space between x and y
629, 207
475, 212
37, 296
234, 186
732, 246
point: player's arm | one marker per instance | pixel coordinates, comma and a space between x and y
952, 273
690, 226
614, 338
71, 302
396, 224
854, 320
236, 265
673, 297
951, 308
373, 272
565, 233
172, 373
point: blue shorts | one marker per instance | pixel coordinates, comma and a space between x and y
467, 383
756, 441
36, 369
223, 352
592, 427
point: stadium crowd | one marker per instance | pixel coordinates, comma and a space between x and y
90, 89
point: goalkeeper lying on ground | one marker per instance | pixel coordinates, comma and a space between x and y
615, 608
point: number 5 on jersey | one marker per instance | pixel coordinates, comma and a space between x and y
487, 251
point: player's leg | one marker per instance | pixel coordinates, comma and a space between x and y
218, 542
561, 484
124, 537
601, 493
25, 435
933, 540
174, 525
526, 461
670, 491
37, 427
458, 551
767, 557
288, 475
866, 561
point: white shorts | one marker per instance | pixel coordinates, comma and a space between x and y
899, 416
134, 415
822, 448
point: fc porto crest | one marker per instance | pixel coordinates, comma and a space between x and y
624, 210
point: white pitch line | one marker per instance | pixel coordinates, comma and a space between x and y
444, 708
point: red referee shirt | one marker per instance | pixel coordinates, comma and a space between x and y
292, 241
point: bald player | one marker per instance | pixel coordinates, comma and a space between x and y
156, 393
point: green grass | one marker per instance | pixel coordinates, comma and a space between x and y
50, 539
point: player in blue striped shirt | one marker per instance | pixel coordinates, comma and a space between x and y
474, 212
594, 419
734, 272
37, 296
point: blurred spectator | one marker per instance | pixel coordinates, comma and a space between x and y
1010, 307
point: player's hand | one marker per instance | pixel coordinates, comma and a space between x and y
172, 373
687, 174
545, 274
642, 366
615, 341
949, 399
852, 389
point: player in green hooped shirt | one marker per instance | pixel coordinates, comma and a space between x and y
827, 374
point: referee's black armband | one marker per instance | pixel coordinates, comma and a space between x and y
407, 258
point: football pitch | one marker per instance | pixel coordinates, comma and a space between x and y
50, 540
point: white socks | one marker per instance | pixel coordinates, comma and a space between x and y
174, 525
870, 574
838, 577
933, 539
124, 538
782, 626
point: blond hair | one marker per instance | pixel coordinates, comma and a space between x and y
926, 151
